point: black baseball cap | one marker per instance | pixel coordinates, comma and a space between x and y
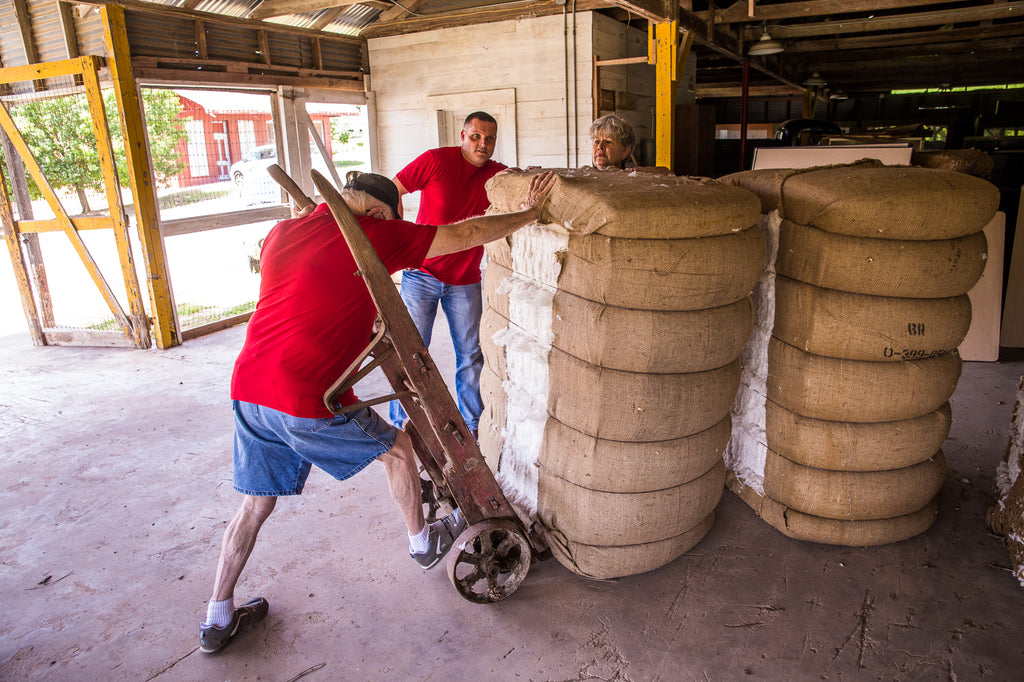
378, 187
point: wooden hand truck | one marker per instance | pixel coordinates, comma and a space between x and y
490, 559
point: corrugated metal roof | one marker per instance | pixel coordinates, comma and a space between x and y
230, 8
353, 20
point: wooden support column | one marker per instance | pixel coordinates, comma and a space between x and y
663, 52
32, 252
21, 271
129, 106
140, 331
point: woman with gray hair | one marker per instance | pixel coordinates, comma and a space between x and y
612, 138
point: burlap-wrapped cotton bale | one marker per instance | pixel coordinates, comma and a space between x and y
662, 341
492, 322
881, 267
603, 561
890, 202
634, 206
633, 406
597, 517
851, 446
970, 161
841, 324
835, 389
800, 526
853, 495
656, 274
619, 352
629, 467
766, 183
492, 419
664, 274
1006, 517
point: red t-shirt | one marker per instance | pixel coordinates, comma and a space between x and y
451, 189
315, 315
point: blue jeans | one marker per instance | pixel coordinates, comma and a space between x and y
462, 305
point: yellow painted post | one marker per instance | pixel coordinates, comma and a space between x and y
165, 323
140, 322
62, 217
662, 52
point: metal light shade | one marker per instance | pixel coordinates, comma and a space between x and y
815, 81
838, 95
765, 45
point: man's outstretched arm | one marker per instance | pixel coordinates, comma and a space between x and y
483, 229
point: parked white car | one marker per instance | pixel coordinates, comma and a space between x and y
255, 184
256, 161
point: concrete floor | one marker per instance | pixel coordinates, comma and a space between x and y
115, 485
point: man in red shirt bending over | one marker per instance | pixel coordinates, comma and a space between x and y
451, 185
313, 318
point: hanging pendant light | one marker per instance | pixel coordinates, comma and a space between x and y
765, 45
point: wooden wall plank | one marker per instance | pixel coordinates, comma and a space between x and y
1012, 335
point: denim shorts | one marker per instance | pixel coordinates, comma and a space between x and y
274, 450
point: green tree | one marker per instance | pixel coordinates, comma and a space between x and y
340, 134
59, 133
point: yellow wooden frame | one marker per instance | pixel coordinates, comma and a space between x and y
135, 328
129, 106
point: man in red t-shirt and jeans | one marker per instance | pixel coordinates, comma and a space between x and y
313, 318
451, 185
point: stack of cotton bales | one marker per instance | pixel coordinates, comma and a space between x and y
843, 409
611, 338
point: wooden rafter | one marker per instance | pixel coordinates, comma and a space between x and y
740, 11
898, 22
277, 8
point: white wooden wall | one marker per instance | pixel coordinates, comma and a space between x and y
518, 62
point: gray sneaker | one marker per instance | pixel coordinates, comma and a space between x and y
440, 539
246, 617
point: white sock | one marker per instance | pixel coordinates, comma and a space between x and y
420, 542
218, 613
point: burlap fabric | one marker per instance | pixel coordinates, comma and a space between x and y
881, 267
841, 324
657, 274
609, 561
658, 341
868, 200
800, 526
630, 406
853, 495
853, 446
837, 389
629, 467
634, 206
597, 517
648, 318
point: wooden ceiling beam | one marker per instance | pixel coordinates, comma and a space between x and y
965, 50
477, 15
277, 8
397, 12
1008, 10
739, 10
728, 91
653, 10
904, 39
